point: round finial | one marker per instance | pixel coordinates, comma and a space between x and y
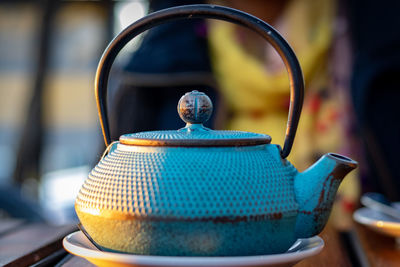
195, 107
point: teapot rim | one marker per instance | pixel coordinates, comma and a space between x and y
210, 138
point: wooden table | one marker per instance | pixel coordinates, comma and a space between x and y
24, 244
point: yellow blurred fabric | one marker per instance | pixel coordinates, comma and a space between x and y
258, 97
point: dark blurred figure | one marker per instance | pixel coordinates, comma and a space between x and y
376, 91
171, 60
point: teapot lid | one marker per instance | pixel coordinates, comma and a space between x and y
195, 108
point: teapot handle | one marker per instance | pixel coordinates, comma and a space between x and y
210, 12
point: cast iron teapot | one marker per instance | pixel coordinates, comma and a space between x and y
200, 192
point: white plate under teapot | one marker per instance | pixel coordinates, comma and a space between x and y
77, 244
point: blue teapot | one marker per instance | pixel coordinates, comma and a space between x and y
202, 192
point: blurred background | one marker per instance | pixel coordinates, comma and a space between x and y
49, 131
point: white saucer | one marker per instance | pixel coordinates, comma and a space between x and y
377, 221
77, 244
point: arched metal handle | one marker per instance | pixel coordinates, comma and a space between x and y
210, 12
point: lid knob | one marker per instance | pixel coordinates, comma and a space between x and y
195, 107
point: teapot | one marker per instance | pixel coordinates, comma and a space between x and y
202, 192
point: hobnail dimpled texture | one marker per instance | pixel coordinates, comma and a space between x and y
192, 183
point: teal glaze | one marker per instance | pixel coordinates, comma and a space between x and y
198, 201
200, 192
315, 191
204, 238
193, 183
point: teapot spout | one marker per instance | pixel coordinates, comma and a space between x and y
315, 191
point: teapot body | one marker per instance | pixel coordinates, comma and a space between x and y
200, 192
191, 201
